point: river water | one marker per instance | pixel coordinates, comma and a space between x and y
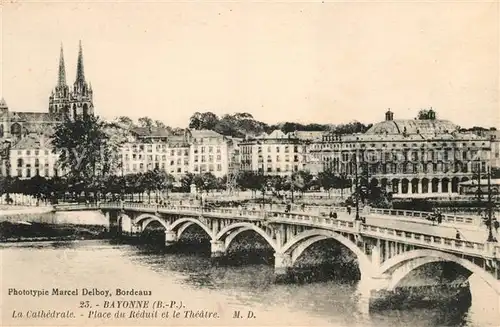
200, 285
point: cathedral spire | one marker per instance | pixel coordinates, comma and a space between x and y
80, 75
61, 79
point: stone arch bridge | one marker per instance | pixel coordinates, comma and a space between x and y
385, 254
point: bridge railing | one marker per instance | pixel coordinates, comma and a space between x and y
311, 220
76, 206
450, 244
425, 215
443, 243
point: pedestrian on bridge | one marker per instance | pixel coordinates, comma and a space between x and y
457, 236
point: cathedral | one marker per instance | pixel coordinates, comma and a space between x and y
64, 103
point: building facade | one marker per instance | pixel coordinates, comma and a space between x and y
410, 158
70, 102
210, 152
276, 153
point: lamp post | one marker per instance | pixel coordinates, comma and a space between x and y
356, 185
6, 157
123, 181
479, 191
491, 238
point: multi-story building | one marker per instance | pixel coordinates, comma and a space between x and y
411, 158
32, 156
209, 152
494, 137
196, 151
156, 148
276, 153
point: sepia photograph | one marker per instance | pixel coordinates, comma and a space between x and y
250, 163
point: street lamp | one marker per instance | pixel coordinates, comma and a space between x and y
491, 238
6, 157
356, 185
479, 190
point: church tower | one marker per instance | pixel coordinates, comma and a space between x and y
59, 100
82, 95
66, 102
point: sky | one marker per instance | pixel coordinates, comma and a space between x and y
324, 62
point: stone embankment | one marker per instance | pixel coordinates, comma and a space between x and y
41, 223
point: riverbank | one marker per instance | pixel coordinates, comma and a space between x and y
33, 231
15, 210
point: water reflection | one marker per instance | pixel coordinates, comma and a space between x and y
250, 286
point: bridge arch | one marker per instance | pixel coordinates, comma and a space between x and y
399, 264
402, 271
125, 222
305, 239
241, 227
148, 218
184, 223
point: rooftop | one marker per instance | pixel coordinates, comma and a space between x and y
413, 126
204, 133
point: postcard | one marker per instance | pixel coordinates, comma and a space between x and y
249, 163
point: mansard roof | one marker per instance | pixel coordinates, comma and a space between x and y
413, 126
204, 133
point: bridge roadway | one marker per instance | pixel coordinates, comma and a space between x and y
409, 227
388, 245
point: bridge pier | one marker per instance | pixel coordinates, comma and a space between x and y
135, 229
114, 226
170, 237
218, 248
282, 265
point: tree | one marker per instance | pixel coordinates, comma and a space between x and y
186, 182
251, 181
160, 124
326, 180
125, 120
85, 152
209, 181
195, 121
145, 122
165, 181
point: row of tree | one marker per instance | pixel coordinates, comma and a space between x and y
241, 125
158, 184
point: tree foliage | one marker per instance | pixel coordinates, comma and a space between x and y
85, 150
